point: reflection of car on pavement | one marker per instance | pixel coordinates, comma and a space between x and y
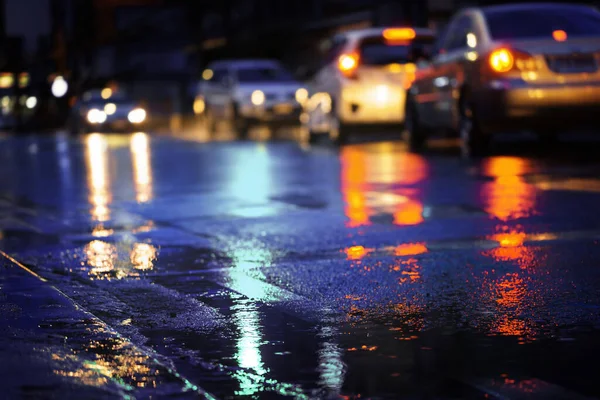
105, 110
363, 79
249, 92
508, 68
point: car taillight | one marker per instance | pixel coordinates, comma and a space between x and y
506, 60
559, 35
501, 60
348, 64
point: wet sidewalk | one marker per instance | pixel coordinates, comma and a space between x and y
51, 348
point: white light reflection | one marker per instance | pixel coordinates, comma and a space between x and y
252, 175
143, 256
247, 319
142, 168
331, 368
98, 177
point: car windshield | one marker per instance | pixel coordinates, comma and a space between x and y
538, 22
268, 74
119, 101
376, 51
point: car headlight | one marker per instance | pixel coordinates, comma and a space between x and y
301, 95
110, 108
258, 97
95, 116
137, 116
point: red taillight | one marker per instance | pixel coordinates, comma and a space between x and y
505, 60
348, 63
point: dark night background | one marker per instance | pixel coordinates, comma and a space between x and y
157, 48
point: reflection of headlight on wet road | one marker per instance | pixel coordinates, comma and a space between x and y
95, 116
137, 116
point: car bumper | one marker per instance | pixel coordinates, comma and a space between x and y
118, 126
278, 113
504, 107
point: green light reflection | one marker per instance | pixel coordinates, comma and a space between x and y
247, 319
332, 368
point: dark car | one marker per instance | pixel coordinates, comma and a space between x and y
105, 110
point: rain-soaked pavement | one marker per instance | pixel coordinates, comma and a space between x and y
140, 265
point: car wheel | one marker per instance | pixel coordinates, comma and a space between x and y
338, 131
210, 123
241, 128
474, 143
312, 136
240, 125
414, 133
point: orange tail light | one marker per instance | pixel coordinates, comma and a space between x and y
348, 63
501, 60
399, 34
504, 60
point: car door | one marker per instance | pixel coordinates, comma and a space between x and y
450, 66
423, 89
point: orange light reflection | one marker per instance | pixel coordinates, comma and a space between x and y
98, 177
410, 249
354, 180
367, 173
356, 252
508, 196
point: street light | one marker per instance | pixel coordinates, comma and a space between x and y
59, 87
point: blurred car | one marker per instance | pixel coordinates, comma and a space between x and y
363, 79
106, 110
248, 93
509, 68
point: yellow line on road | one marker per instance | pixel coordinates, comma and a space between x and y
23, 266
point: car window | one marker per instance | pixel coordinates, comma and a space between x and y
377, 51
442, 37
266, 74
457, 36
335, 49
219, 75
540, 22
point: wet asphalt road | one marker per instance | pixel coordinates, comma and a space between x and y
278, 270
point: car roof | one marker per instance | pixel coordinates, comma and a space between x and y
245, 63
366, 32
501, 8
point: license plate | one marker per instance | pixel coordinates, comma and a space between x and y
283, 108
119, 124
573, 63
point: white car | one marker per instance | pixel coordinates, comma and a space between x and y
364, 78
248, 93
106, 110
